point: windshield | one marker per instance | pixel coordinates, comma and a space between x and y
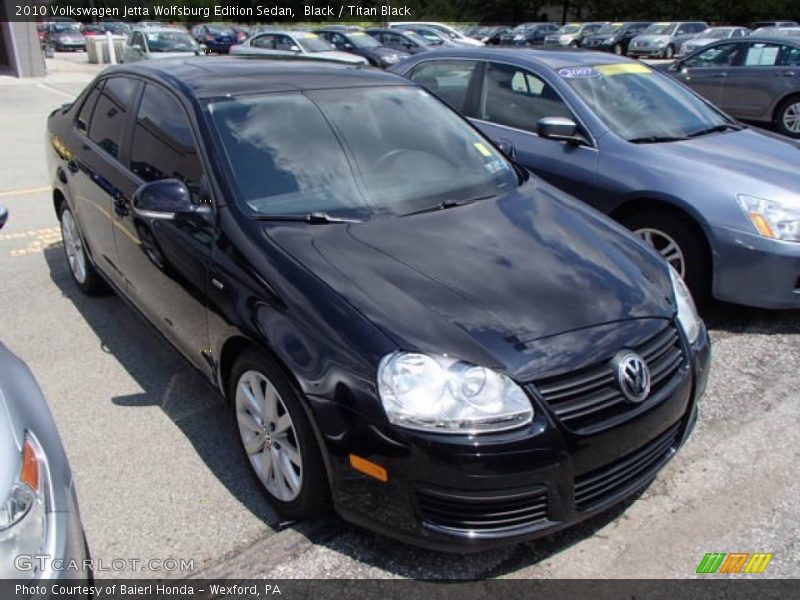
417, 39
638, 103
659, 29
611, 28
362, 40
335, 151
170, 41
67, 28
311, 42
716, 33
795, 31
569, 29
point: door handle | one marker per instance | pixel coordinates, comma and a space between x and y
719, 75
121, 206
786, 74
73, 167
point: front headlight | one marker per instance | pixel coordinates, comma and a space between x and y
442, 394
687, 312
390, 59
23, 524
772, 219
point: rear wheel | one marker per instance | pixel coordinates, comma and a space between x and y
679, 242
787, 117
80, 266
619, 50
669, 51
277, 438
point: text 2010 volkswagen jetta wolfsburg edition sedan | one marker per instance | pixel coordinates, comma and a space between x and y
403, 321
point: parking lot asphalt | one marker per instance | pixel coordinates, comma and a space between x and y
158, 475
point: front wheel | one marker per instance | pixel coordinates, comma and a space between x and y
619, 50
277, 437
678, 242
81, 268
787, 117
669, 52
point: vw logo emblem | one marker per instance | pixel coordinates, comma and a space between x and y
633, 376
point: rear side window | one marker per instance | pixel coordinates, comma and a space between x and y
85, 116
448, 79
108, 119
163, 145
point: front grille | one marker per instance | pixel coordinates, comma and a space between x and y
487, 513
627, 473
590, 398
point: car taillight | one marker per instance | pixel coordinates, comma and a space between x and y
210, 38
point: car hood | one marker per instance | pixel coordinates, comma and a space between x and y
177, 54
701, 41
746, 161
481, 280
337, 55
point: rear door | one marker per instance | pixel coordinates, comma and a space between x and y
759, 79
707, 71
511, 102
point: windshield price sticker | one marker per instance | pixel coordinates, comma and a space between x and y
624, 69
578, 72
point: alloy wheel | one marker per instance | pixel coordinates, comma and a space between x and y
268, 435
791, 118
73, 245
665, 246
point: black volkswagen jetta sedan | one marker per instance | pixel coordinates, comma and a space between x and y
406, 324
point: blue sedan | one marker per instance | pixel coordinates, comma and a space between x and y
720, 201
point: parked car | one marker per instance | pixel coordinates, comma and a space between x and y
528, 34
716, 199
398, 39
39, 515
116, 27
361, 43
491, 36
571, 35
159, 42
461, 358
614, 37
215, 37
781, 32
662, 40
65, 36
768, 24
711, 35
755, 79
93, 29
450, 33
433, 36
294, 44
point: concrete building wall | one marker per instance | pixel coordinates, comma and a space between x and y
20, 51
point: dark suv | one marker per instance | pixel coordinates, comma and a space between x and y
614, 37
405, 322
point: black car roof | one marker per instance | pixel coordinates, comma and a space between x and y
208, 77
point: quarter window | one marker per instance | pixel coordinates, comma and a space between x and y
108, 120
448, 79
518, 98
163, 144
85, 116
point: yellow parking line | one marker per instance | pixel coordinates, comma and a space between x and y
25, 191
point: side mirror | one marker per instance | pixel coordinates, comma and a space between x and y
559, 129
167, 199
347, 46
3, 216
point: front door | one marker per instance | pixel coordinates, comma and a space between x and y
165, 261
706, 72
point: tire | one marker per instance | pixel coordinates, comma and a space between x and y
573, 45
669, 51
295, 450
660, 226
80, 265
619, 50
787, 117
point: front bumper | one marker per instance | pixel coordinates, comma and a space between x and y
756, 271
466, 494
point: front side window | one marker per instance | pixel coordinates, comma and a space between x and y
448, 79
518, 98
629, 97
264, 41
723, 55
85, 115
334, 151
108, 119
163, 145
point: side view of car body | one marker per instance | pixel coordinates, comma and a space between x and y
754, 78
461, 360
614, 37
401, 40
663, 40
528, 34
159, 43
216, 37
64, 36
711, 35
451, 33
40, 524
279, 43
362, 44
571, 35
730, 223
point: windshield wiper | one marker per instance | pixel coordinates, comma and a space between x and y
314, 218
716, 129
656, 139
445, 204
